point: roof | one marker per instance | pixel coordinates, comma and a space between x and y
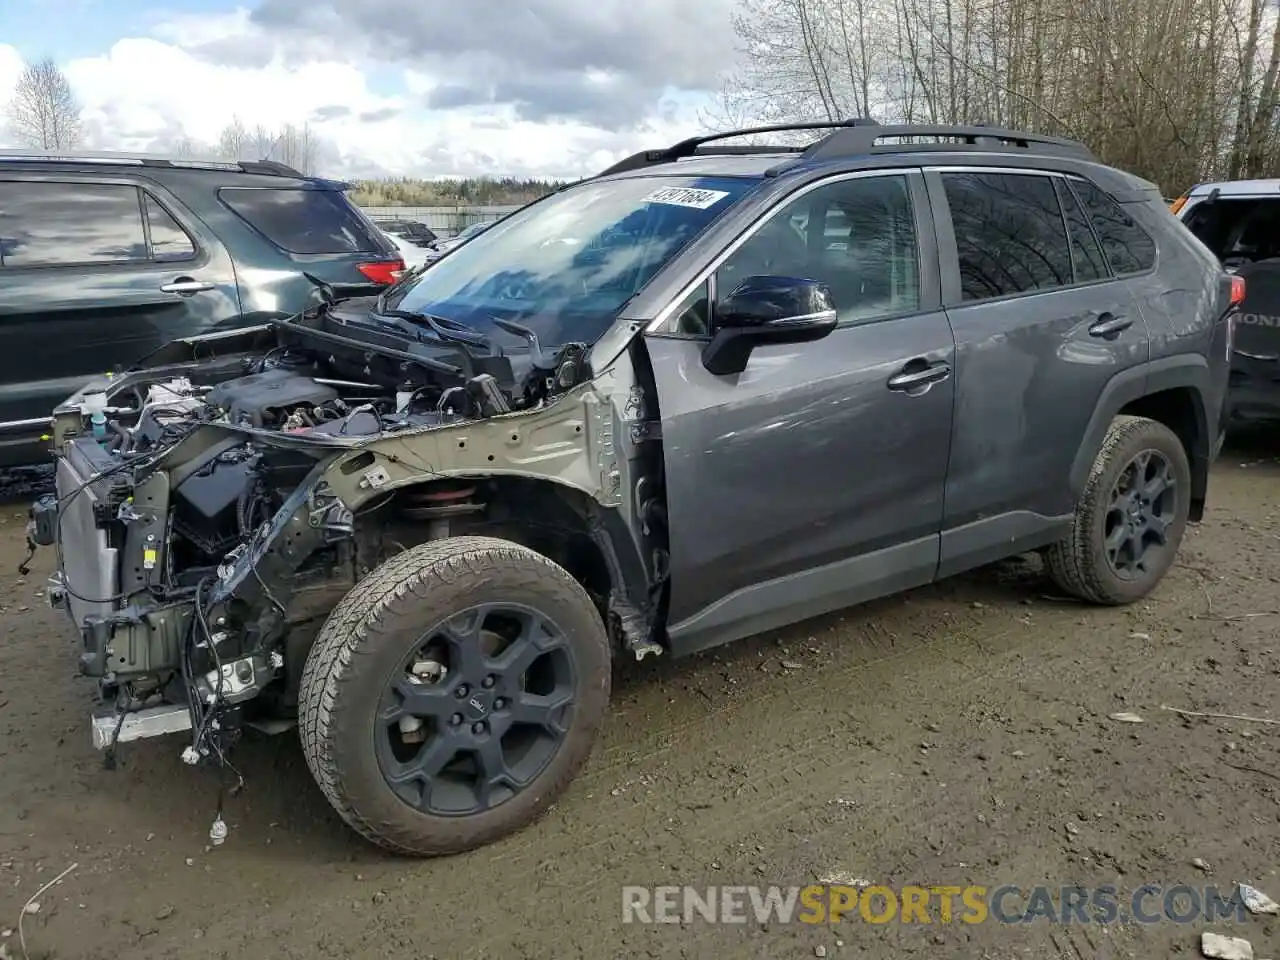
1237, 188
101, 158
863, 144
857, 138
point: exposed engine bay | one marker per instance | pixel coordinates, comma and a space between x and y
213, 507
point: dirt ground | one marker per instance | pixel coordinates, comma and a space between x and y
960, 734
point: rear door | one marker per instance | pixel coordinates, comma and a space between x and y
1041, 324
95, 274
813, 479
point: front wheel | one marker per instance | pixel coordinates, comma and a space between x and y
453, 694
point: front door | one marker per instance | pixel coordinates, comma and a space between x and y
813, 479
94, 275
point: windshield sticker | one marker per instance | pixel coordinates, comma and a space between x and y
687, 197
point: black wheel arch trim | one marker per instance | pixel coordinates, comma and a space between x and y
1189, 371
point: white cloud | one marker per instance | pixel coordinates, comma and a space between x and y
10, 70
140, 82
194, 73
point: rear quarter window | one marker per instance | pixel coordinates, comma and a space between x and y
302, 221
1129, 249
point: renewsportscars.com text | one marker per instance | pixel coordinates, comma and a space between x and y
834, 903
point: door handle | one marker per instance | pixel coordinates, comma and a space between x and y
186, 285
913, 379
1108, 326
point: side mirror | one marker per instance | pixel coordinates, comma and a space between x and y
763, 310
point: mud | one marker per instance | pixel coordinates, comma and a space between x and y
956, 735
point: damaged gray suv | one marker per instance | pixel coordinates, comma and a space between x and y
709, 392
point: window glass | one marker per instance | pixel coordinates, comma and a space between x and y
1010, 235
46, 224
169, 241
565, 265
303, 221
692, 317
857, 236
1085, 252
1128, 247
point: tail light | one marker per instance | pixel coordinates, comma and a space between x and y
1178, 204
384, 272
1237, 298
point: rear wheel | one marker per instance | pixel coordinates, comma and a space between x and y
453, 694
1131, 516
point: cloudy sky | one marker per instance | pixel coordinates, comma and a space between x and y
412, 87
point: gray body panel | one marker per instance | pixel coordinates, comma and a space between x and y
830, 490
1029, 374
778, 473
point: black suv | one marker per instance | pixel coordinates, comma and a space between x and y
105, 258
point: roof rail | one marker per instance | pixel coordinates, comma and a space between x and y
857, 137
267, 167
689, 147
863, 139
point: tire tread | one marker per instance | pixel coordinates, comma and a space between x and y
1072, 563
351, 632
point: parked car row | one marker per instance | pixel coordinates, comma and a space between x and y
420, 246
412, 254
412, 232
705, 393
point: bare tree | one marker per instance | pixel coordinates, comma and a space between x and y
233, 140
261, 143
307, 148
295, 147
44, 112
805, 58
185, 148
1175, 92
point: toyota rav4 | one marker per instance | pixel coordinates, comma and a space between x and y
712, 391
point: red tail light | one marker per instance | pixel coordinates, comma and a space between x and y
1237, 290
384, 272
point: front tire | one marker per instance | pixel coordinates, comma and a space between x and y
453, 694
1130, 518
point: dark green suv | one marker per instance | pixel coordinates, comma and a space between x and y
106, 257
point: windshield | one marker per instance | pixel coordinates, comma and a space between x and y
565, 266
